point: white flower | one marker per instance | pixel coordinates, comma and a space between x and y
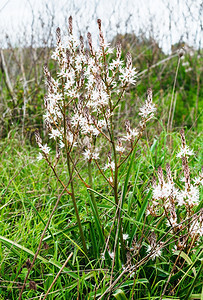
171, 222
45, 149
185, 64
87, 154
120, 149
125, 236
116, 63
128, 75
61, 144
174, 249
111, 180
180, 198
58, 96
95, 155
185, 151
70, 138
54, 133
102, 255
40, 156
155, 252
190, 197
198, 180
101, 124
197, 228
188, 70
110, 165
193, 195
147, 110
111, 254
131, 134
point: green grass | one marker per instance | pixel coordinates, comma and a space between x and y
28, 194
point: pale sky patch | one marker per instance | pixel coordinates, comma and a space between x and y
117, 17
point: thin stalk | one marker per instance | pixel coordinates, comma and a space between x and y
75, 205
116, 193
197, 100
91, 193
58, 274
71, 174
173, 92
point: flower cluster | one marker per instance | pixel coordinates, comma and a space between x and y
167, 199
82, 101
147, 111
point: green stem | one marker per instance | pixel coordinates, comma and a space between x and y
75, 205
116, 195
91, 185
71, 174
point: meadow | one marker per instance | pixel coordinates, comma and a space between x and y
101, 171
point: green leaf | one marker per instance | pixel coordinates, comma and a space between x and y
187, 259
120, 295
13, 245
139, 216
196, 296
193, 283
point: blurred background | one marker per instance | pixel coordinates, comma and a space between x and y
153, 31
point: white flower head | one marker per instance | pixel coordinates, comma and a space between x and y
120, 149
125, 236
184, 151
112, 255
54, 134
155, 252
90, 154
110, 165
45, 149
40, 156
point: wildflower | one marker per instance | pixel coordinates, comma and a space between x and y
198, 180
110, 165
116, 63
120, 149
188, 70
197, 228
125, 236
128, 76
172, 222
54, 134
164, 191
155, 252
184, 150
131, 133
185, 64
45, 149
89, 154
40, 156
95, 155
147, 111
61, 144
174, 249
112, 255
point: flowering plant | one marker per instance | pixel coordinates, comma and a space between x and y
81, 111
178, 205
